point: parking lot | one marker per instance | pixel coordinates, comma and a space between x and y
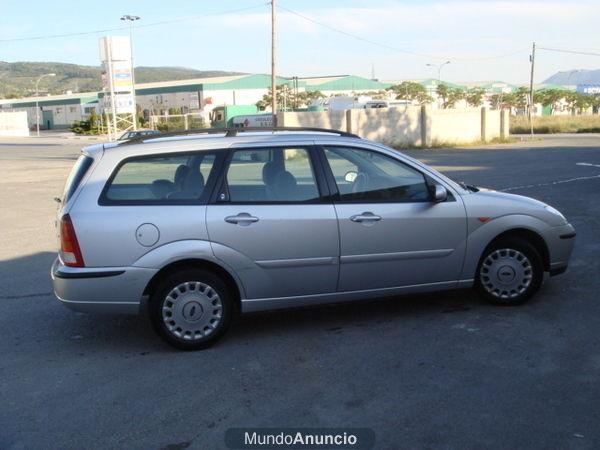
431, 371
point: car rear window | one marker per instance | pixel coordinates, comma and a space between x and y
77, 173
164, 179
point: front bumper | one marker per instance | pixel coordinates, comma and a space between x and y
560, 241
113, 290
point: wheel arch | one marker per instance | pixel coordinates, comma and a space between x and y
530, 236
197, 263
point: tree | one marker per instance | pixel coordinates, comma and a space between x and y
449, 96
411, 91
287, 98
376, 95
304, 99
517, 99
578, 102
496, 101
521, 98
283, 93
550, 97
474, 96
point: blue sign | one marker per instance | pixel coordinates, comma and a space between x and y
590, 89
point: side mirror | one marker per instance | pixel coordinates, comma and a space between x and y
440, 194
350, 176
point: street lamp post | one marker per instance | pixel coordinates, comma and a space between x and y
439, 68
37, 104
131, 19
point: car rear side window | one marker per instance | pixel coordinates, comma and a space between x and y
271, 175
163, 179
77, 173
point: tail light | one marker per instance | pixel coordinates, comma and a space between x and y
70, 253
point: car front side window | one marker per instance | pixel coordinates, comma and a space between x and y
366, 176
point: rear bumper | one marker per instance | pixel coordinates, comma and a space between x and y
112, 290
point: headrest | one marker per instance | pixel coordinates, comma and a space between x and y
180, 175
269, 171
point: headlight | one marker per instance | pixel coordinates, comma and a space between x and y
555, 211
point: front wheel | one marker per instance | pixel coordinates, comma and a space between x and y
191, 309
510, 272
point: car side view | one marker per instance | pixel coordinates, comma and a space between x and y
198, 226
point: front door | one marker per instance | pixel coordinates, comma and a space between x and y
48, 119
272, 226
391, 233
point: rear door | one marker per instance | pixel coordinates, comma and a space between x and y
391, 233
272, 223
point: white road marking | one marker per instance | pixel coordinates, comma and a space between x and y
551, 183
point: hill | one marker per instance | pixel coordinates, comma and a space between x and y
18, 79
571, 77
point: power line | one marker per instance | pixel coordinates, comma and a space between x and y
573, 52
395, 49
146, 25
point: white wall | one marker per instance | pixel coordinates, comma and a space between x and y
392, 126
195, 101
14, 124
407, 126
157, 103
333, 120
454, 125
232, 97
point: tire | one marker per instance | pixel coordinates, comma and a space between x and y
191, 309
510, 272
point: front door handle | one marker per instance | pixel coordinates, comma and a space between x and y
365, 217
243, 219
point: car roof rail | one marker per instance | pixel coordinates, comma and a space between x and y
231, 132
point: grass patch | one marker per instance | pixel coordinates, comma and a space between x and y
555, 124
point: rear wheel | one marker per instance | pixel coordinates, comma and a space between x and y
510, 272
191, 309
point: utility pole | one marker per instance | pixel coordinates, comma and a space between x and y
273, 62
131, 19
530, 112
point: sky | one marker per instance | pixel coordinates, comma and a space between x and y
483, 40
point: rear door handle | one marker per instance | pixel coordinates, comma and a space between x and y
365, 217
243, 219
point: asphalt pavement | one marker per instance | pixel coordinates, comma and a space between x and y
436, 371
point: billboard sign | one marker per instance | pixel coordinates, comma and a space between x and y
115, 56
123, 103
590, 89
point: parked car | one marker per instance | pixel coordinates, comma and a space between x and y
195, 228
137, 133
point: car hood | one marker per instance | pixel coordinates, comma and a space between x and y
518, 199
489, 203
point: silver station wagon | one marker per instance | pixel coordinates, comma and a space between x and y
197, 227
